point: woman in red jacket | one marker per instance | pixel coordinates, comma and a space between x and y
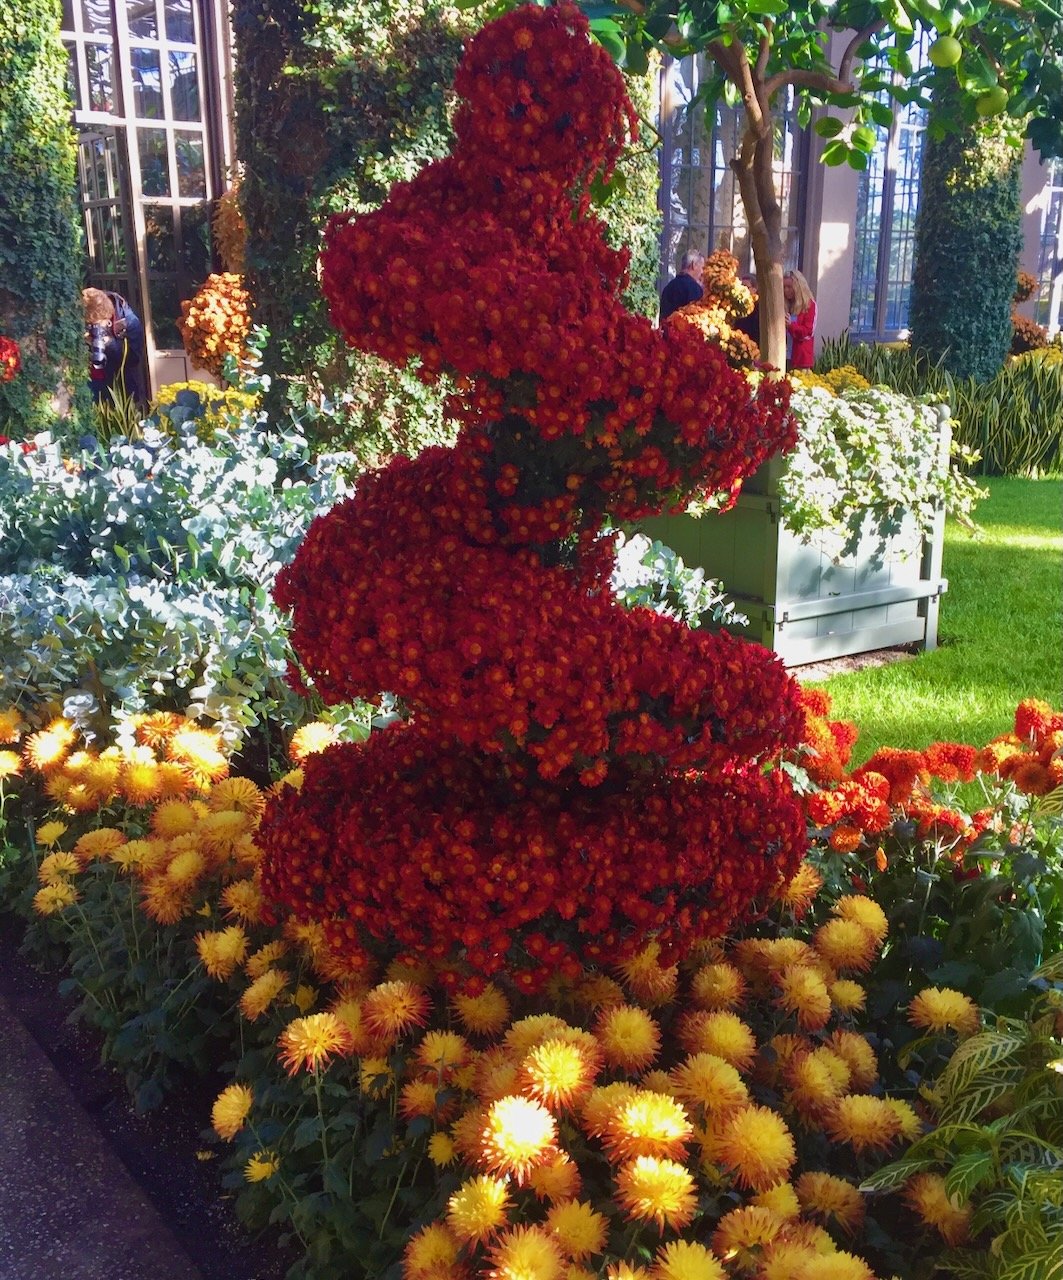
801, 322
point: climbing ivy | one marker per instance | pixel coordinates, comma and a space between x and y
40, 248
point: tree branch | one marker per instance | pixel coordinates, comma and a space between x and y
764, 53
824, 81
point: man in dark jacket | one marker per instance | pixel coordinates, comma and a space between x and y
684, 287
115, 337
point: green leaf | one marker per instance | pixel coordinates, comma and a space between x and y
969, 1171
895, 1175
829, 127
835, 153
636, 59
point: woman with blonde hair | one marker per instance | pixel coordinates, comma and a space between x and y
801, 319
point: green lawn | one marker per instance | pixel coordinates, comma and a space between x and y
1000, 632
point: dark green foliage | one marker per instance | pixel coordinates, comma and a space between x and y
40, 251
967, 242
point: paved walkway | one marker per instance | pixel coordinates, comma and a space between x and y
69, 1209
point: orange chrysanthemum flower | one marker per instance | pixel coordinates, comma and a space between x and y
518, 1134
556, 1179
755, 1144
647, 1124
310, 1043
718, 986
865, 912
484, 1014
648, 980
943, 1009
559, 1073
629, 1037
705, 1080
832, 1200
655, 1190
478, 1209
262, 993
799, 894
578, 1228
442, 1052
847, 996
525, 1253
721, 1033
845, 944
430, 1254
864, 1121
230, 1110
742, 1235
948, 1215
222, 951
802, 992
393, 1008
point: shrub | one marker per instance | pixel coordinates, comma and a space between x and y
216, 322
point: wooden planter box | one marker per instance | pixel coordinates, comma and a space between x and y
805, 600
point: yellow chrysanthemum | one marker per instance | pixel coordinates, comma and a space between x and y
441, 1150
832, 1200
654, 1190
705, 1080
375, 1077
57, 867
392, 1008
720, 1033
48, 748
173, 818
49, 833
201, 753
718, 986
801, 891
141, 782
10, 764
626, 1271
781, 1199
309, 739
442, 1052
518, 1134
948, 1215
629, 1037
261, 1167
419, 1098
786, 1259
265, 958
484, 1014
186, 867
243, 900
742, 1235
687, 1260
231, 1109
98, 843
907, 1117
174, 780
262, 993
813, 1081
866, 912
858, 1055
578, 1228
525, 1253
139, 857
293, 778
943, 1009
101, 778
647, 979
478, 1208
156, 728
755, 1144
220, 831
863, 1121
647, 1124
431, 1252
847, 996
845, 944
10, 724
556, 1179
222, 951
237, 793
53, 898
802, 992
559, 1073
163, 901
598, 991
311, 1042
602, 1103
532, 1030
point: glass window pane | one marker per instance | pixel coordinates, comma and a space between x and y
98, 63
68, 15
140, 14
73, 84
191, 171
154, 166
147, 83
179, 21
165, 308
195, 244
96, 17
159, 238
184, 85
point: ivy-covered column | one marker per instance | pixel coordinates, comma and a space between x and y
967, 242
40, 244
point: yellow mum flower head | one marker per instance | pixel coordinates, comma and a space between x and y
240, 794
720, 1033
173, 818
755, 1144
201, 753
626, 1271
293, 778
419, 1098
602, 1103
230, 1110
311, 738
784, 1259
393, 1008
834, 1266
847, 996
163, 901
186, 867
141, 782
220, 831
174, 780
578, 1228
648, 980
310, 1043
467, 1132
53, 898
803, 993
687, 1260
948, 1215
598, 991
139, 857
98, 843
907, 1117
518, 1134
304, 997
528, 1032
158, 727
57, 867
442, 1052
430, 1252
560, 1073
832, 1200
800, 893
265, 958
77, 798
780, 1199
441, 1150
49, 747
846, 944
484, 1014
859, 1057
742, 1236
866, 912
555, 1179
261, 1167
375, 1077
648, 1124
864, 1121
262, 993
704, 1080
943, 1009
101, 778
243, 900
654, 1190
525, 1253
718, 986
575, 1272
497, 1074
11, 725
222, 952
629, 1037
49, 833
10, 764
478, 1208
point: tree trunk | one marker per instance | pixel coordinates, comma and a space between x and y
756, 181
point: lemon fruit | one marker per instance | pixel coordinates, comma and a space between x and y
945, 51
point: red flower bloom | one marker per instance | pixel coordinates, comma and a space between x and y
10, 360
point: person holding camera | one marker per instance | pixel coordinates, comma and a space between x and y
115, 338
